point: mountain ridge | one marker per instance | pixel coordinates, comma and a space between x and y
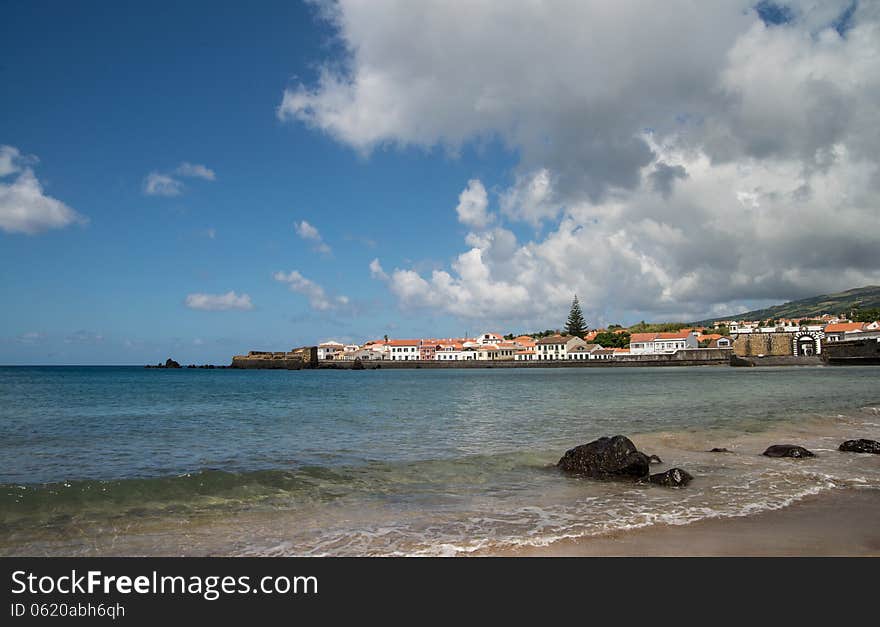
867, 297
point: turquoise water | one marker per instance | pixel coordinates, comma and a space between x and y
134, 461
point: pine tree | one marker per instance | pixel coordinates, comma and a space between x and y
575, 325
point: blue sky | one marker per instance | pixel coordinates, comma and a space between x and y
103, 94
97, 97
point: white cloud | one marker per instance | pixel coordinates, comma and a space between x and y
530, 199
24, 207
317, 296
31, 337
163, 184
157, 184
308, 232
720, 161
376, 270
640, 256
473, 203
10, 159
219, 302
84, 337
195, 170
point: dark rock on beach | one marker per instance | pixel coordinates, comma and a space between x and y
606, 458
788, 450
653, 459
719, 450
861, 446
672, 478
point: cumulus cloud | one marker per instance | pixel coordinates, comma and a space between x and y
195, 170
167, 184
472, 207
729, 157
219, 302
316, 295
24, 206
308, 232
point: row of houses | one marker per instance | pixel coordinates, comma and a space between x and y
803, 339
492, 346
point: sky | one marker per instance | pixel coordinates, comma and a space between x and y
200, 179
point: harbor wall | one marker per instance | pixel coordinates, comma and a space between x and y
687, 357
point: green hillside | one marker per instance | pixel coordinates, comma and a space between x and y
861, 297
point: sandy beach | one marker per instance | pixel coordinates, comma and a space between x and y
837, 523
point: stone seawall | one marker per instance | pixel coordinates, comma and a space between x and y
296, 359
705, 357
779, 361
244, 363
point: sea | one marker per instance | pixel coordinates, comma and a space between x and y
131, 461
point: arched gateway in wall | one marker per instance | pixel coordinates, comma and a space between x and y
807, 343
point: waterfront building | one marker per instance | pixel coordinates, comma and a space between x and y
839, 331
484, 339
662, 343
404, 350
603, 353
428, 349
329, 350
556, 347
527, 354
582, 352
448, 351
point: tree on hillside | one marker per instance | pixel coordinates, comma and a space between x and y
575, 325
864, 315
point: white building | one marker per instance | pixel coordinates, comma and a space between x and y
504, 351
556, 347
526, 354
403, 350
662, 343
484, 339
329, 350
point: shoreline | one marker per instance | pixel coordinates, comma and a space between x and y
841, 522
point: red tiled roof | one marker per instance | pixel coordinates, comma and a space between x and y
843, 327
642, 337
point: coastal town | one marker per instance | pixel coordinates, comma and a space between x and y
798, 340
803, 338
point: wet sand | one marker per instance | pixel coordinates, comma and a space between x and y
837, 523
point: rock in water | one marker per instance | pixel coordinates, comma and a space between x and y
672, 478
788, 450
170, 363
606, 457
861, 446
719, 450
654, 459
